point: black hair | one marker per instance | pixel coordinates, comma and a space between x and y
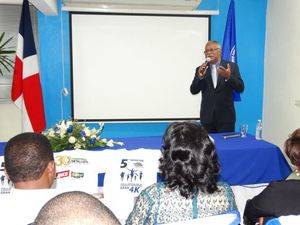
292, 148
26, 156
189, 160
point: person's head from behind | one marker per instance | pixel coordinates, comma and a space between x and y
75, 207
213, 51
292, 148
189, 161
29, 161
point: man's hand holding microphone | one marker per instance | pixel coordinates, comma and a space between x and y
202, 69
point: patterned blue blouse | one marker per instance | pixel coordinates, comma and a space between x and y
157, 205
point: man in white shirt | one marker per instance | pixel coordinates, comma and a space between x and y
29, 161
29, 164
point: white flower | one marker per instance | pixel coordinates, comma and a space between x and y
83, 138
101, 124
72, 140
69, 123
63, 131
94, 131
110, 143
87, 132
104, 140
77, 146
62, 125
51, 133
119, 143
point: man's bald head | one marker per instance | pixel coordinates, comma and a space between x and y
72, 208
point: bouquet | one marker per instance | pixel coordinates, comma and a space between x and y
74, 135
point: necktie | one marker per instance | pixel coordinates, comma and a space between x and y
214, 74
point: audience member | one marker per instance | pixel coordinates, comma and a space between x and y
29, 161
29, 164
292, 150
190, 167
75, 207
278, 198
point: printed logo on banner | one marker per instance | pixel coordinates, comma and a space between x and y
68, 173
5, 184
64, 160
131, 175
62, 174
77, 175
79, 161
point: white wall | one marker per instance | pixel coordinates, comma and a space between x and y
10, 118
10, 121
281, 114
10, 115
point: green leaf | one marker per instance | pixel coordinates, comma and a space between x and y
6, 42
7, 52
2, 63
2, 35
5, 62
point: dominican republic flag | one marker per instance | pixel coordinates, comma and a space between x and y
26, 87
229, 42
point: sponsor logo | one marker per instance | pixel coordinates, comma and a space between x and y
5, 190
62, 174
79, 161
131, 175
5, 182
64, 160
77, 175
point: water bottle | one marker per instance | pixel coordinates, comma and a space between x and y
258, 132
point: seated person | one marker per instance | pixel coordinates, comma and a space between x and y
293, 152
190, 167
29, 161
29, 164
75, 208
278, 198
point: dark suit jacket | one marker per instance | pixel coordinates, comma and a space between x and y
277, 199
218, 100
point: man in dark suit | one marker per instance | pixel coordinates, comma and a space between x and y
217, 79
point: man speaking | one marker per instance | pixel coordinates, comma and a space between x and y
217, 79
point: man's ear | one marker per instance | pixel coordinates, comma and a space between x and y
51, 170
6, 173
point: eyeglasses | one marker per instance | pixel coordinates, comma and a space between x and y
211, 50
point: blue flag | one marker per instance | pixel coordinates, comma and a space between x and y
229, 42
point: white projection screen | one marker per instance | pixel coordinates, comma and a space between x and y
136, 66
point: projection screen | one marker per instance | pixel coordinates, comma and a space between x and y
136, 66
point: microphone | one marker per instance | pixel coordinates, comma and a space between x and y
234, 135
207, 60
204, 66
203, 69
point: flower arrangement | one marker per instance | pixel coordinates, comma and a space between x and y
74, 135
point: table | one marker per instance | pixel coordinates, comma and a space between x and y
243, 160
